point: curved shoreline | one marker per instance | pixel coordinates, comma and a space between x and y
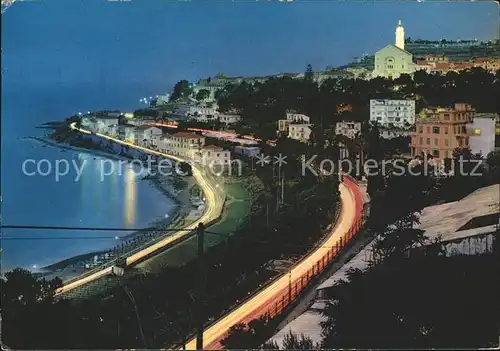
212, 211
180, 209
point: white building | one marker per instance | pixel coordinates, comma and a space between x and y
205, 118
193, 110
348, 129
147, 136
300, 132
482, 133
390, 133
393, 60
229, 119
215, 155
398, 113
127, 133
184, 144
103, 124
291, 118
298, 118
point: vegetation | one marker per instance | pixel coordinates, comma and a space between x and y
146, 112
289, 215
262, 104
182, 89
160, 312
412, 296
202, 94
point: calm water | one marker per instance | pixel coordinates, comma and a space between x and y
64, 56
112, 201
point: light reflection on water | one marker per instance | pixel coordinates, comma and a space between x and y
121, 199
130, 200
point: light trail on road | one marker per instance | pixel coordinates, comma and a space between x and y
212, 211
264, 300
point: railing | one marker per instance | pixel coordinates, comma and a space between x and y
290, 294
106, 268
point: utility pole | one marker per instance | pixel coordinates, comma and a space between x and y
267, 215
201, 285
283, 188
277, 197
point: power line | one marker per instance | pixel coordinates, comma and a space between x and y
60, 237
103, 229
225, 235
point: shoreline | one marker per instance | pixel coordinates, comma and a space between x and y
71, 267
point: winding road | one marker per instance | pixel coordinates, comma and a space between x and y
213, 209
278, 291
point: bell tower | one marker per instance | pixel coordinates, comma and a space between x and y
400, 36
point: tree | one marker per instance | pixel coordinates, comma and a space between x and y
22, 288
292, 342
309, 75
182, 89
241, 336
202, 94
388, 306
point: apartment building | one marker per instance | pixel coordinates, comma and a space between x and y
215, 155
398, 113
193, 110
184, 144
441, 130
147, 136
292, 118
348, 129
300, 132
229, 119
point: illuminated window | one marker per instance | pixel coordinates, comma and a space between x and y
477, 131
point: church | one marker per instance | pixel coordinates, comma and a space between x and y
394, 60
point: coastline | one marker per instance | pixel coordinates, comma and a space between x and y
71, 267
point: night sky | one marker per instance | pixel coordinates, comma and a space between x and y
158, 42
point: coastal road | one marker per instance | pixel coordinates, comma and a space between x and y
265, 300
213, 209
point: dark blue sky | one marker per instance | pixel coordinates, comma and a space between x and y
157, 42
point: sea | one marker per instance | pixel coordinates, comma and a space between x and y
36, 196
